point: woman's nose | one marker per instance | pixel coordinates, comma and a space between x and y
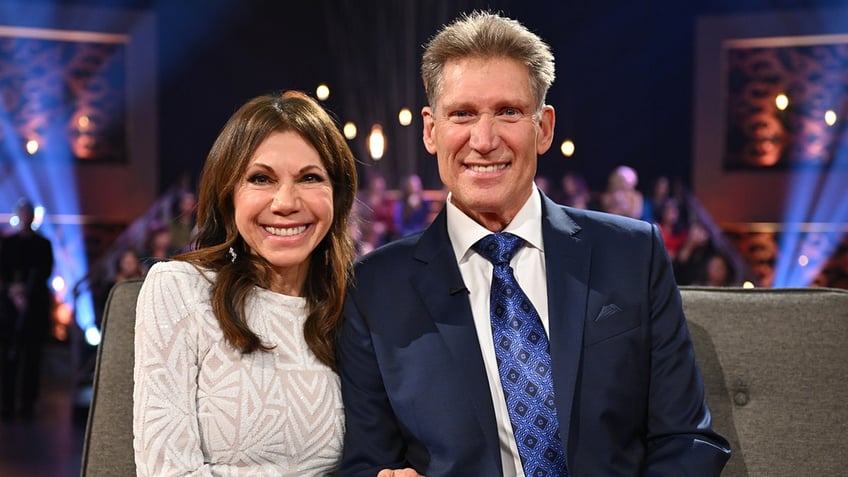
286, 198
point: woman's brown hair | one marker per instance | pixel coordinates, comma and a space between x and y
329, 265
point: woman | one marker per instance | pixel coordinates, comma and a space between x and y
234, 359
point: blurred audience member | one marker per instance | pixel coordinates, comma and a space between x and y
674, 231
544, 184
125, 265
621, 196
183, 221
574, 192
26, 303
128, 265
412, 211
690, 262
719, 271
158, 246
660, 193
377, 217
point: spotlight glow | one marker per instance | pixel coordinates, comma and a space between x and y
830, 117
32, 146
322, 92
349, 130
405, 117
781, 101
58, 284
376, 142
567, 148
92, 336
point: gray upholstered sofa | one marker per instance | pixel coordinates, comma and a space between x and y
774, 364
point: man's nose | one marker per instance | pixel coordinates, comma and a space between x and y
484, 134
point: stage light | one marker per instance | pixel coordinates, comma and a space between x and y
567, 148
814, 219
32, 146
405, 117
92, 336
322, 92
349, 130
781, 101
377, 142
58, 284
830, 117
38, 217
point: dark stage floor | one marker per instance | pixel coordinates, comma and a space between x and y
49, 445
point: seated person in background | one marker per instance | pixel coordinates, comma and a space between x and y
621, 196
574, 192
660, 192
543, 184
720, 271
182, 224
412, 211
691, 259
125, 266
234, 341
674, 231
158, 246
377, 214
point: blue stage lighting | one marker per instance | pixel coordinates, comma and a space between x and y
815, 220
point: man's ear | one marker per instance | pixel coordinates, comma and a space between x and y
546, 129
429, 129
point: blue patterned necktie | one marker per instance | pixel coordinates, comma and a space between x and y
524, 363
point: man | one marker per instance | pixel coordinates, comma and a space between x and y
420, 367
26, 262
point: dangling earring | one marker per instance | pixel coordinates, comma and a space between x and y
232, 254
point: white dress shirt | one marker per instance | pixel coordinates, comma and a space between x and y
529, 266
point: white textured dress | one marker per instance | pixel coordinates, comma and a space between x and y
200, 408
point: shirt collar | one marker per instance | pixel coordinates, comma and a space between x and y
465, 232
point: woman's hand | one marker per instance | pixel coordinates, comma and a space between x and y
399, 473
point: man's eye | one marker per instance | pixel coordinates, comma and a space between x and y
510, 114
460, 116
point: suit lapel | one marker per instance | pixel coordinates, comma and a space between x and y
442, 289
567, 262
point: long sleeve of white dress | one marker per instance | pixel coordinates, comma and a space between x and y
201, 408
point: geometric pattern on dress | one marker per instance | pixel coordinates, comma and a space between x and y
201, 406
524, 362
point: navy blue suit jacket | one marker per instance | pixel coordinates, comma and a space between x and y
629, 393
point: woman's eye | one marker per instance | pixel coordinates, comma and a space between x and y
258, 179
314, 178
